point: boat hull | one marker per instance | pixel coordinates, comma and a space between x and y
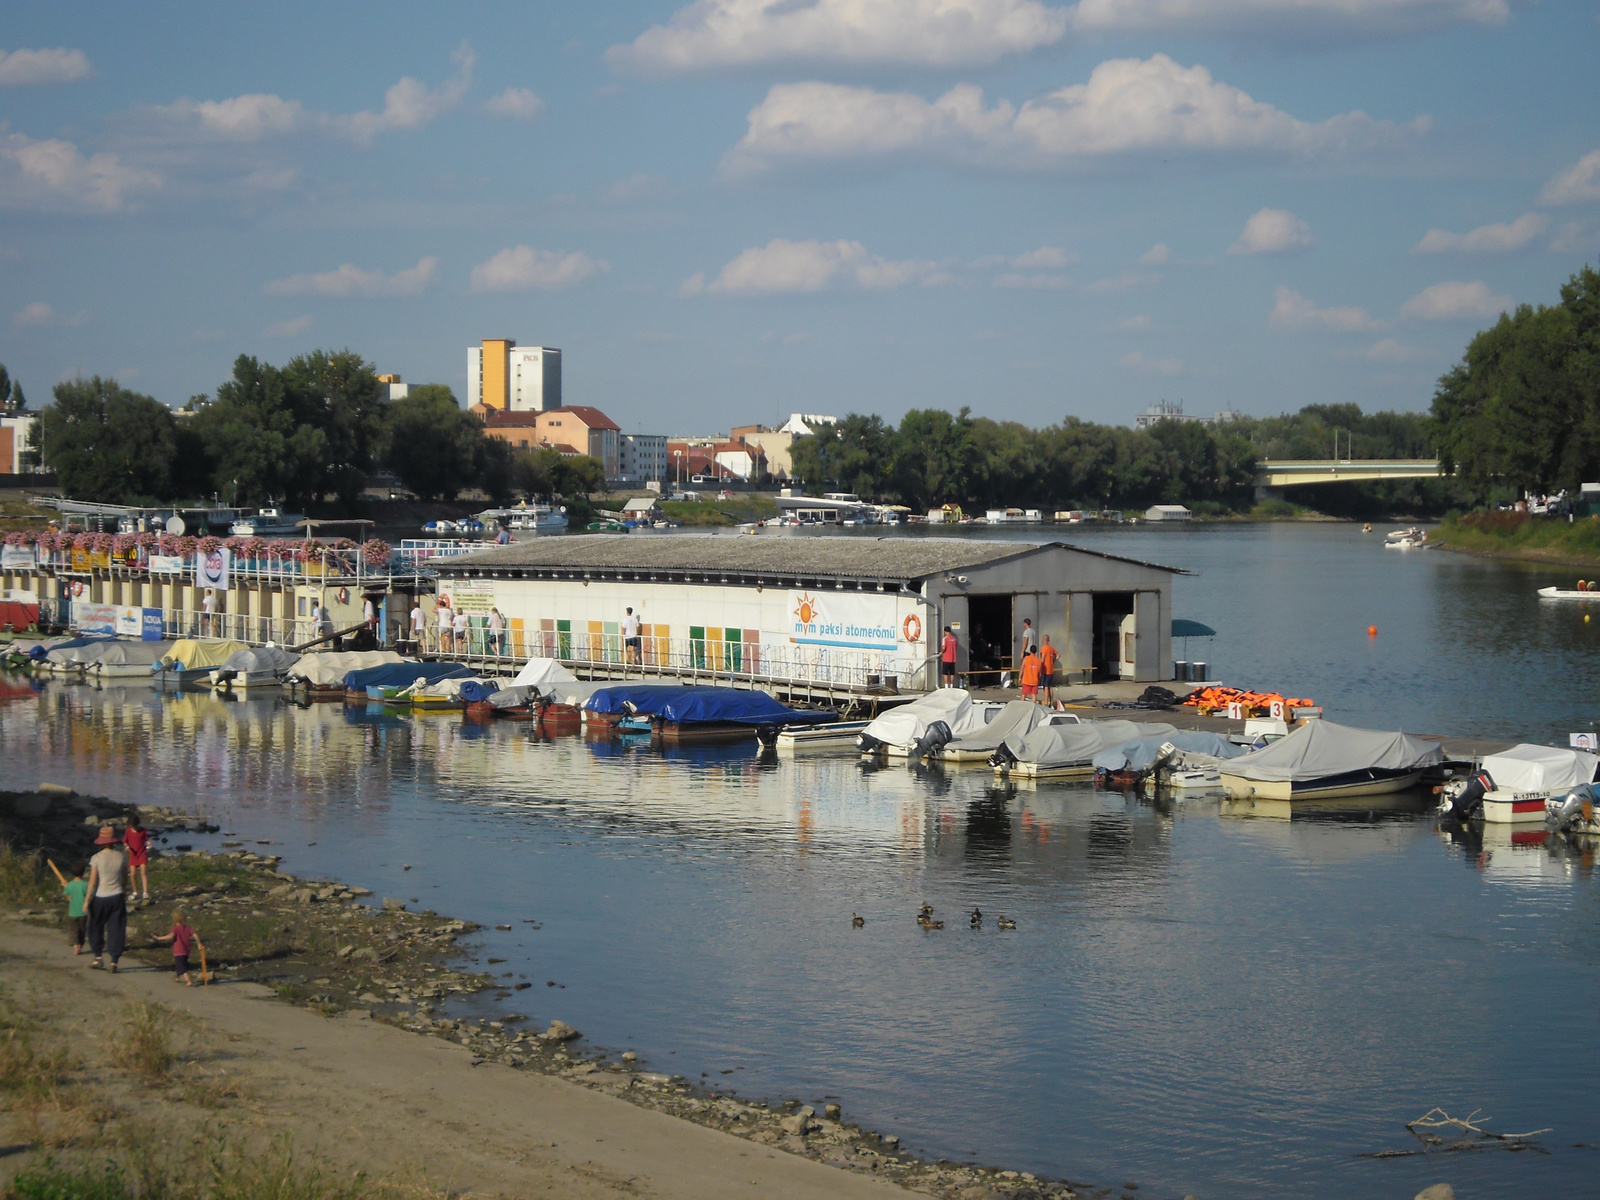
1514, 808
1555, 593
840, 736
1332, 787
1028, 770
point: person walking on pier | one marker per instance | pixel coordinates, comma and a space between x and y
461, 625
632, 644
208, 610
497, 633
419, 624
445, 616
108, 900
947, 659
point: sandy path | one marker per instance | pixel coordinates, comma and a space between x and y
379, 1098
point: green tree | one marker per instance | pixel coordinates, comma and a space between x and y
106, 443
257, 448
855, 455
494, 466
933, 457
432, 443
339, 394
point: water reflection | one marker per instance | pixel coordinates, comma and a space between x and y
1204, 997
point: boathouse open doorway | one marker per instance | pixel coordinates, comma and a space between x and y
1109, 610
989, 639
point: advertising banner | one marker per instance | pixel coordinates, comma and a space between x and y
90, 560
150, 626
94, 618
14, 557
471, 597
166, 564
845, 621
212, 570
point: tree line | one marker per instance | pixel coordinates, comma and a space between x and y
933, 457
317, 428
1521, 411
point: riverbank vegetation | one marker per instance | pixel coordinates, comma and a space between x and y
934, 457
1518, 535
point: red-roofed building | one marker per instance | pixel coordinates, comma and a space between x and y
576, 429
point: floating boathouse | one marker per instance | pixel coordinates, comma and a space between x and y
847, 613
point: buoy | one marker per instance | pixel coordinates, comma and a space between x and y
1372, 631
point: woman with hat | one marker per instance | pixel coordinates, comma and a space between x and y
109, 878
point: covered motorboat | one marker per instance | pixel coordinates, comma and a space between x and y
393, 682
126, 660
322, 672
191, 660
74, 657
914, 730
543, 673
257, 666
1183, 759
1067, 751
452, 693
1514, 786
40, 652
713, 714
1322, 760
1015, 721
609, 704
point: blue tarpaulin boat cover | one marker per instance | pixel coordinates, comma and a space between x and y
474, 691
730, 706
404, 675
647, 698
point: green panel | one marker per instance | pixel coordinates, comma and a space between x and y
697, 646
733, 649
563, 639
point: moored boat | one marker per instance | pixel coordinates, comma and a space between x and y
1514, 786
1323, 760
321, 674
1066, 751
1588, 594
254, 667
191, 660
126, 660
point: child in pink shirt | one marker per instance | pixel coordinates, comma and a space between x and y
183, 939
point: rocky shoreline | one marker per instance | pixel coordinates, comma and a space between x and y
330, 947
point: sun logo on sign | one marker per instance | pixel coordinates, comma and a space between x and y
806, 610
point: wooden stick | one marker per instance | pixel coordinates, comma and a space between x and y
205, 972
57, 870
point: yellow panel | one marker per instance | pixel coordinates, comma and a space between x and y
497, 372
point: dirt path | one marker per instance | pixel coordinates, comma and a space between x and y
376, 1098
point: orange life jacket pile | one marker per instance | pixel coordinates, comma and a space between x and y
1257, 704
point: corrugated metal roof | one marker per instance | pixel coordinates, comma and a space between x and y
848, 557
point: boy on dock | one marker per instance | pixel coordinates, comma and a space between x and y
183, 939
1047, 669
1032, 665
77, 890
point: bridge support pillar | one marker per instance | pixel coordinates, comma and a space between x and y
1268, 493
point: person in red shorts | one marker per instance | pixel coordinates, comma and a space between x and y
136, 839
1032, 666
1048, 656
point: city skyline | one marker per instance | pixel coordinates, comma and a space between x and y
728, 211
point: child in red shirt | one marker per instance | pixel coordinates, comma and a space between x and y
136, 838
183, 939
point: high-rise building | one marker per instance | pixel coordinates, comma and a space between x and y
643, 457
511, 378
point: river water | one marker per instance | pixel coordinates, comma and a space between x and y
1193, 1001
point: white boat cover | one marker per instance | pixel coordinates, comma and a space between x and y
329, 669
1071, 745
1527, 768
262, 659
1140, 754
445, 689
1016, 720
130, 654
79, 656
905, 725
541, 673
1319, 749
192, 654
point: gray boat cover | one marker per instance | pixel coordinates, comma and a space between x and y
258, 659
82, 653
1076, 745
542, 673
324, 668
130, 654
1139, 754
905, 725
1529, 768
514, 696
1318, 749
1016, 720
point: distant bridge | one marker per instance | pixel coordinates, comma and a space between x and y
1284, 473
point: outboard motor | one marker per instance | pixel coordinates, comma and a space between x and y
767, 735
868, 744
1576, 806
1464, 804
935, 737
1003, 757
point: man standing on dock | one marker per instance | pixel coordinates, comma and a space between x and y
633, 647
419, 625
1028, 640
1047, 670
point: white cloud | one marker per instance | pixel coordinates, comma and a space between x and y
1455, 299
1124, 282
1135, 361
1386, 350
1128, 107
1577, 184
1156, 255
290, 328
1272, 231
1291, 310
782, 266
37, 313
520, 104
54, 175
350, 281
1136, 324
1295, 20
1035, 279
408, 104
518, 268
1034, 269
1486, 239
712, 34
23, 68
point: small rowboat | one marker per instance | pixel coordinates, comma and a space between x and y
1555, 593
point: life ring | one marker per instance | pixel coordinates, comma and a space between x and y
77, 587
344, 595
912, 628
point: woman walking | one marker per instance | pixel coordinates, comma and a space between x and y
109, 878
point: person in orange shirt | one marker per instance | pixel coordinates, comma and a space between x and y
1032, 666
1048, 655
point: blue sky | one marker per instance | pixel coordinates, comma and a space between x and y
728, 210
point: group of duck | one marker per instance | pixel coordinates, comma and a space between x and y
926, 920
